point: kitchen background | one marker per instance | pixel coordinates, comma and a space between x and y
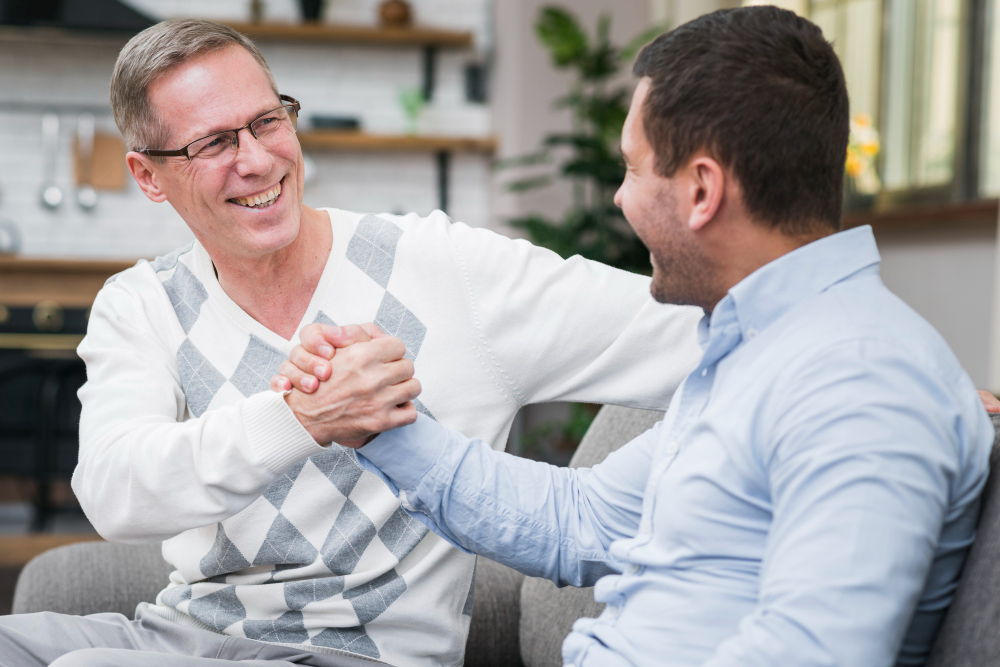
923, 70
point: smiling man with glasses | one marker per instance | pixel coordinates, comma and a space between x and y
284, 548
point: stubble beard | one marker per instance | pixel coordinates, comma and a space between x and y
681, 273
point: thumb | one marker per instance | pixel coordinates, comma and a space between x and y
346, 335
373, 330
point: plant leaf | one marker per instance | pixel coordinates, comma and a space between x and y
559, 32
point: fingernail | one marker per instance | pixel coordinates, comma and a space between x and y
325, 350
335, 331
310, 383
318, 371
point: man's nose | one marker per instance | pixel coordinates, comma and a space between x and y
252, 157
618, 195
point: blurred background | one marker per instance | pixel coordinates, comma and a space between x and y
505, 114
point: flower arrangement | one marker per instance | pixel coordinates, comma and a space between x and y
862, 148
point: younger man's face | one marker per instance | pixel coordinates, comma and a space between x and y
656, 208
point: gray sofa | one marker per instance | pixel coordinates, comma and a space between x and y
515, 618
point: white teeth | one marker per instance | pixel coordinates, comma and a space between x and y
265, 199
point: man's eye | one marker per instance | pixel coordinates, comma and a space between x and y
214, 142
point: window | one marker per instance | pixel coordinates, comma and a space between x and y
989, 165
922, 92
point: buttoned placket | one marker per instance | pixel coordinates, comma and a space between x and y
723, 336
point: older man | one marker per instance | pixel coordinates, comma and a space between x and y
813, 490
284, 548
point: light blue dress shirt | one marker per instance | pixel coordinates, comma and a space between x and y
808, 499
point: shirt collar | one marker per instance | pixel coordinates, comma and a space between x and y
773, 289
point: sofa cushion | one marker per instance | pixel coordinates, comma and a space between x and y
970, 634
91, 577
548, 612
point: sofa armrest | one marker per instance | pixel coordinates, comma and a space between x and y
91, 577
496, 613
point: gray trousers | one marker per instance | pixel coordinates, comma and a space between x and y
112, 640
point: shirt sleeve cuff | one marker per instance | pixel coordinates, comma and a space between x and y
408, 453
274, 434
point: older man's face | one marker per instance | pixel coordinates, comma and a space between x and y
216, 91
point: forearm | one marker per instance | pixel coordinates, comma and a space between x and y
150, 478
539, 519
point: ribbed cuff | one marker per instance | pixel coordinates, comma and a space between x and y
275, 434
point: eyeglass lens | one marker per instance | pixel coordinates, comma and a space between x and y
269, 129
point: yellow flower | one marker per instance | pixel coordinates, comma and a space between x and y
855, 165
870, 147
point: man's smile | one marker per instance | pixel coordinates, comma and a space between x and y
262, 199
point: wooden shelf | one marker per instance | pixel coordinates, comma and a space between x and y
976, 212
17, 550
353, 34
361, 141
73, 283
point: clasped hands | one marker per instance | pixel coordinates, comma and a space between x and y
348, 384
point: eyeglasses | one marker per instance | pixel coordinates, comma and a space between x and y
268, 128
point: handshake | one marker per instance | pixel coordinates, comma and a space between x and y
348, 384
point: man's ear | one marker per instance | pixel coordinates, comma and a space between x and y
708, 181
144, 174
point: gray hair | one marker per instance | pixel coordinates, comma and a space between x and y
149, 55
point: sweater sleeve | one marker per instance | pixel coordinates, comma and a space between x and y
144, 473
574, 329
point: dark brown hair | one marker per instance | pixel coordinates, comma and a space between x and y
762, 91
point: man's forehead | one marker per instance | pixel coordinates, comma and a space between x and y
201, 95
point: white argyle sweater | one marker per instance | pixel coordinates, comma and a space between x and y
278, 539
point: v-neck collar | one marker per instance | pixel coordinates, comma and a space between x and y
338, 251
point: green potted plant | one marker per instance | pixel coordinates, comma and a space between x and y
588, 155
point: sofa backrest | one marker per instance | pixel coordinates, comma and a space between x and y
547, 612
970, 634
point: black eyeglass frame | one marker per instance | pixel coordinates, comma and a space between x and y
183, 152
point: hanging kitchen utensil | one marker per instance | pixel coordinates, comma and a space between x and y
51, 195
10, 244
86, 195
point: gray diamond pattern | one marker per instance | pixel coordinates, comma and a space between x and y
218, 610
351, 534
396, 320
421, 408
223, 558
285, 545
169, 261
199, 378
186, 294
371, 599
340, 466
300, 593
323, 318
174, 595
286, 629
259, 364
401, 533
470, 598
355, 640
278, 490
373, 248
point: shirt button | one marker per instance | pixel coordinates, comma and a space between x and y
613, 612
632, 569
672, 448
751, 333
704, 372
645, 525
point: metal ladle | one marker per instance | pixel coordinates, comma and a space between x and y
86, 195
51, 195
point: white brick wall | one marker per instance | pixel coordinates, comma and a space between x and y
354, 80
